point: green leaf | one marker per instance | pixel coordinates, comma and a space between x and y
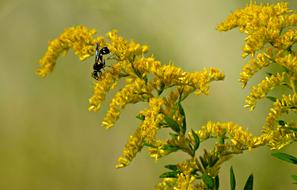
232, 179
171, 167
148, 145
203, 162
208, 181
170, 147
273, 99
249, 183
197, 140
169, 174
217, 182
173, 135
294, 178
141, 117
285, 157
293, 129
172, 124
182, 112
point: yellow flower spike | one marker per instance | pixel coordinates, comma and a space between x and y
152, 119
239, 137
287, 103
166, 184
107, 82
147, 65
78, 38
134, 145
261, 90
131, 93
287, 39
256, 64
279, 137
157, 150
289, 61
262, 23
123, 49
174, 76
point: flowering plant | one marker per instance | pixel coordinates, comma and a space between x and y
271, 35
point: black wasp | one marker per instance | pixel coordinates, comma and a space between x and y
99, 61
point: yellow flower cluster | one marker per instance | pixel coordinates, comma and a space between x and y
239, 138
284, 105
157, 149
123, 49
262, 23
279, 137
185, 179
288, 61
255, 64
261, 90
134, 145
271, 35
152, 118
78, 38
146, 132
131, 93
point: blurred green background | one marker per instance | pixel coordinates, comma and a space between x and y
48, 139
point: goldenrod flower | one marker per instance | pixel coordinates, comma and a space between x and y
271, 34
145, 133
260, 91
78, 38
134, 145
131, 93
108, 81
262, 23
185, 179
278, 137
157, 149
284, 105
152, 118
289, 61
251, 68
124, 49
239, 138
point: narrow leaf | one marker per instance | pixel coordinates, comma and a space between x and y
203, 162
285, 157
169, 175
249, 183
208, 181
170, 147
293, 129
273, 99
172, 124
197, 140
141, 117
148, 145
171, 167
217, 182
232, 179
173, 135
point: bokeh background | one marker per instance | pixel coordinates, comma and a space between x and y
48, 139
